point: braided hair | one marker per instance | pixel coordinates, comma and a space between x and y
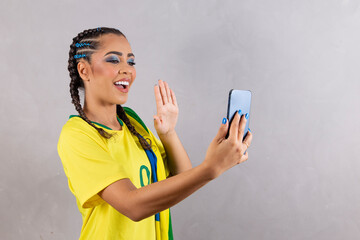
83, 46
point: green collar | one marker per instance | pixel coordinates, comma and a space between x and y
121, 122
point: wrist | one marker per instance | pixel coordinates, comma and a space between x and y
210, 171
168, 135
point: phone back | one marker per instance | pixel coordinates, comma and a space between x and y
239, 99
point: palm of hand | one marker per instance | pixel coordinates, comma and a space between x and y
167, 109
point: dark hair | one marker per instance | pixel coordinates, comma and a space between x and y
87, 42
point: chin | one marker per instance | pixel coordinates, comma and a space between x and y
122, 102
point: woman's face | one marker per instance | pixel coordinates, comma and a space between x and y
112, 71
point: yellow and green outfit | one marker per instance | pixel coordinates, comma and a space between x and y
91, 163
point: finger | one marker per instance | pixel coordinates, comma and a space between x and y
222, 130
163, 92
248, 139
242, 125
234, 128
173, 97
244, 157
168, 94
158, 99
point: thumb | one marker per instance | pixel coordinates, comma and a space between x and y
156, 120
223, 129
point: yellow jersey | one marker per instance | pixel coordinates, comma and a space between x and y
91, 163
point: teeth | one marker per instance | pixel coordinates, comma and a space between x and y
122, 83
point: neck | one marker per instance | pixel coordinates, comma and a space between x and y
102, 113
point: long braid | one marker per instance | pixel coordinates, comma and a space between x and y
76, 81
120, 111
87, 42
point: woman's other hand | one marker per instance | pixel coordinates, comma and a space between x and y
222, 154
167, 109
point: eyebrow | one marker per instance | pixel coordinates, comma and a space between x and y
120, 53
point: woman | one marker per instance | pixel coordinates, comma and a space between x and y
123, 177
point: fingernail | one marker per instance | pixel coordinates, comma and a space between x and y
247, 116
224, 121
239, 112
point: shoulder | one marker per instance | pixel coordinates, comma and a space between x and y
77, 128
76, 124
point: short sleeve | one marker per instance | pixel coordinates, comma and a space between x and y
88, 165
161, 148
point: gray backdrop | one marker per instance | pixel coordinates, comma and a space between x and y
300, 59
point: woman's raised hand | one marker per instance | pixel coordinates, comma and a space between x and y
222, 154
167, 109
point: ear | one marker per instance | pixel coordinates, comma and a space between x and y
83, 70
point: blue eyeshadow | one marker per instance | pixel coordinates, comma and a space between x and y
112, 58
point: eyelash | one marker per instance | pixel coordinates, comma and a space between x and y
116, 61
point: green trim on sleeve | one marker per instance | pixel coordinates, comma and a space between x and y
135, 116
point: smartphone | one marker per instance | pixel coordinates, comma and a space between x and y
239, 100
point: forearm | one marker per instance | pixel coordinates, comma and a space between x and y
178, 160
159, 196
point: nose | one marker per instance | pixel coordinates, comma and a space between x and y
125, 69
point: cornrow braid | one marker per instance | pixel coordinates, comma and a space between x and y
83, 46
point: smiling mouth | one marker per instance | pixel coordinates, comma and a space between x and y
122, 84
